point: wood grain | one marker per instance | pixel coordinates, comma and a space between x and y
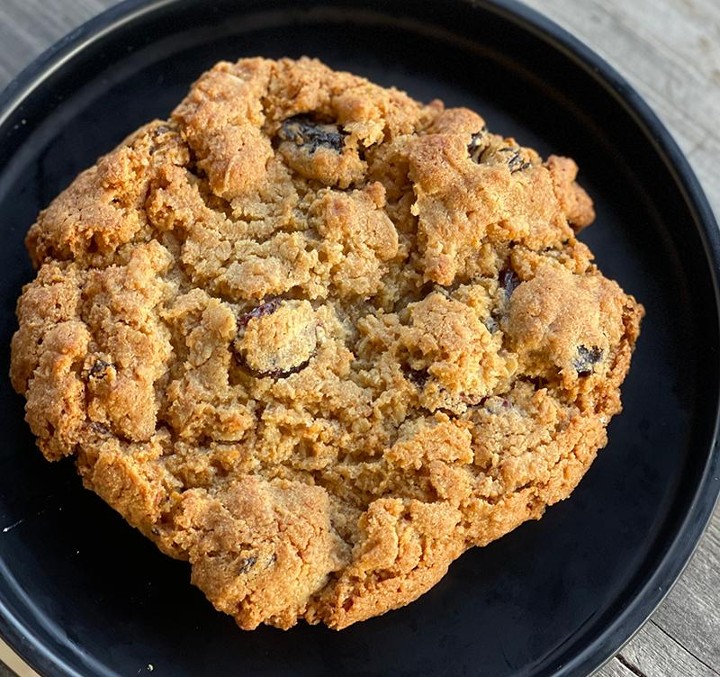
669, 50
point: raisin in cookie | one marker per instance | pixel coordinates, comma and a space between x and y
318, 339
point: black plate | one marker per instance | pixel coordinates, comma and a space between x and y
82, 593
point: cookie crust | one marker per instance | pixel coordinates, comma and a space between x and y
318, 339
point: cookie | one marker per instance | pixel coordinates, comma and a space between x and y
318, 339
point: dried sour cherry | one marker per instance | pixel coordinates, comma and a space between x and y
478, 143
277, 338
586, 359
266, 308
509, 281
99, 369
312, 135
514, 159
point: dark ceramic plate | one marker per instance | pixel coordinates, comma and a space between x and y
82, 593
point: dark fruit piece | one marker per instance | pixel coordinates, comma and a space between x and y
587, 358
304, 131
261, 360
99, 369
509, 281
418, 377
478, 143
247, 564
266, 308
515, 160
278, 373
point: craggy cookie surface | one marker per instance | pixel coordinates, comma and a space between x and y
319, 339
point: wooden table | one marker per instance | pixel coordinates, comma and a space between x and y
670, 51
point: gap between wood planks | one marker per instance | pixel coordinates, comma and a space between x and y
624, 662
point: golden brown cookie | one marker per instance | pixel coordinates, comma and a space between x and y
319, 339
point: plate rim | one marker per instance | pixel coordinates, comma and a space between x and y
670, 566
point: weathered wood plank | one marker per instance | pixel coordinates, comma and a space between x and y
29, 27
691, 612
669, 53
14, 666
654, 653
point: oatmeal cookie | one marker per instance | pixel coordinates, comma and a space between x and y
318, 339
